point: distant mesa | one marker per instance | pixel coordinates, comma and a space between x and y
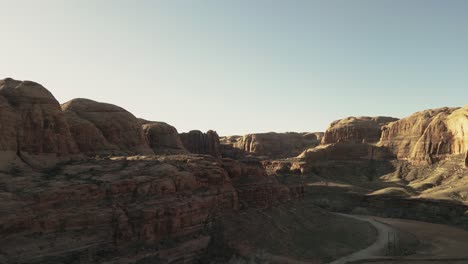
274, 145
356, 129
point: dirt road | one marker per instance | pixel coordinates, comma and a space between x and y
378, 248
437, 243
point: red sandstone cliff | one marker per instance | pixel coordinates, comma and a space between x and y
130, 208
429, 135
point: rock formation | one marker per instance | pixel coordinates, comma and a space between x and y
198, 142
428, 135
33, 126
356, 129
273, 145
148, 208
162, 137
314, 135
101, 128
131, 208
345, 151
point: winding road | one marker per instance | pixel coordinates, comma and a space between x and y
438, 243
378, 248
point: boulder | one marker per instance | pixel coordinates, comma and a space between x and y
101, 128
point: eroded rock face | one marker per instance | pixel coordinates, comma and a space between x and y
32, 122
198, 142
356, 129
162, 138
96, 210
101, 128
255, 188
428, 135
274, 145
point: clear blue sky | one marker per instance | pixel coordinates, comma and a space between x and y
243, 66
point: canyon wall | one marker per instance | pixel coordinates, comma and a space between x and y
126, 208
98, 203
428, 136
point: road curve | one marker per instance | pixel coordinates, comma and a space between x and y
377, 249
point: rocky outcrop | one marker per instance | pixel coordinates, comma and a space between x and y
429, 135
101, 128
356, 129
33, 126
274, 145
162, 138
198, 142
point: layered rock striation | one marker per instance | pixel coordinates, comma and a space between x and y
428, 136
140, 208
